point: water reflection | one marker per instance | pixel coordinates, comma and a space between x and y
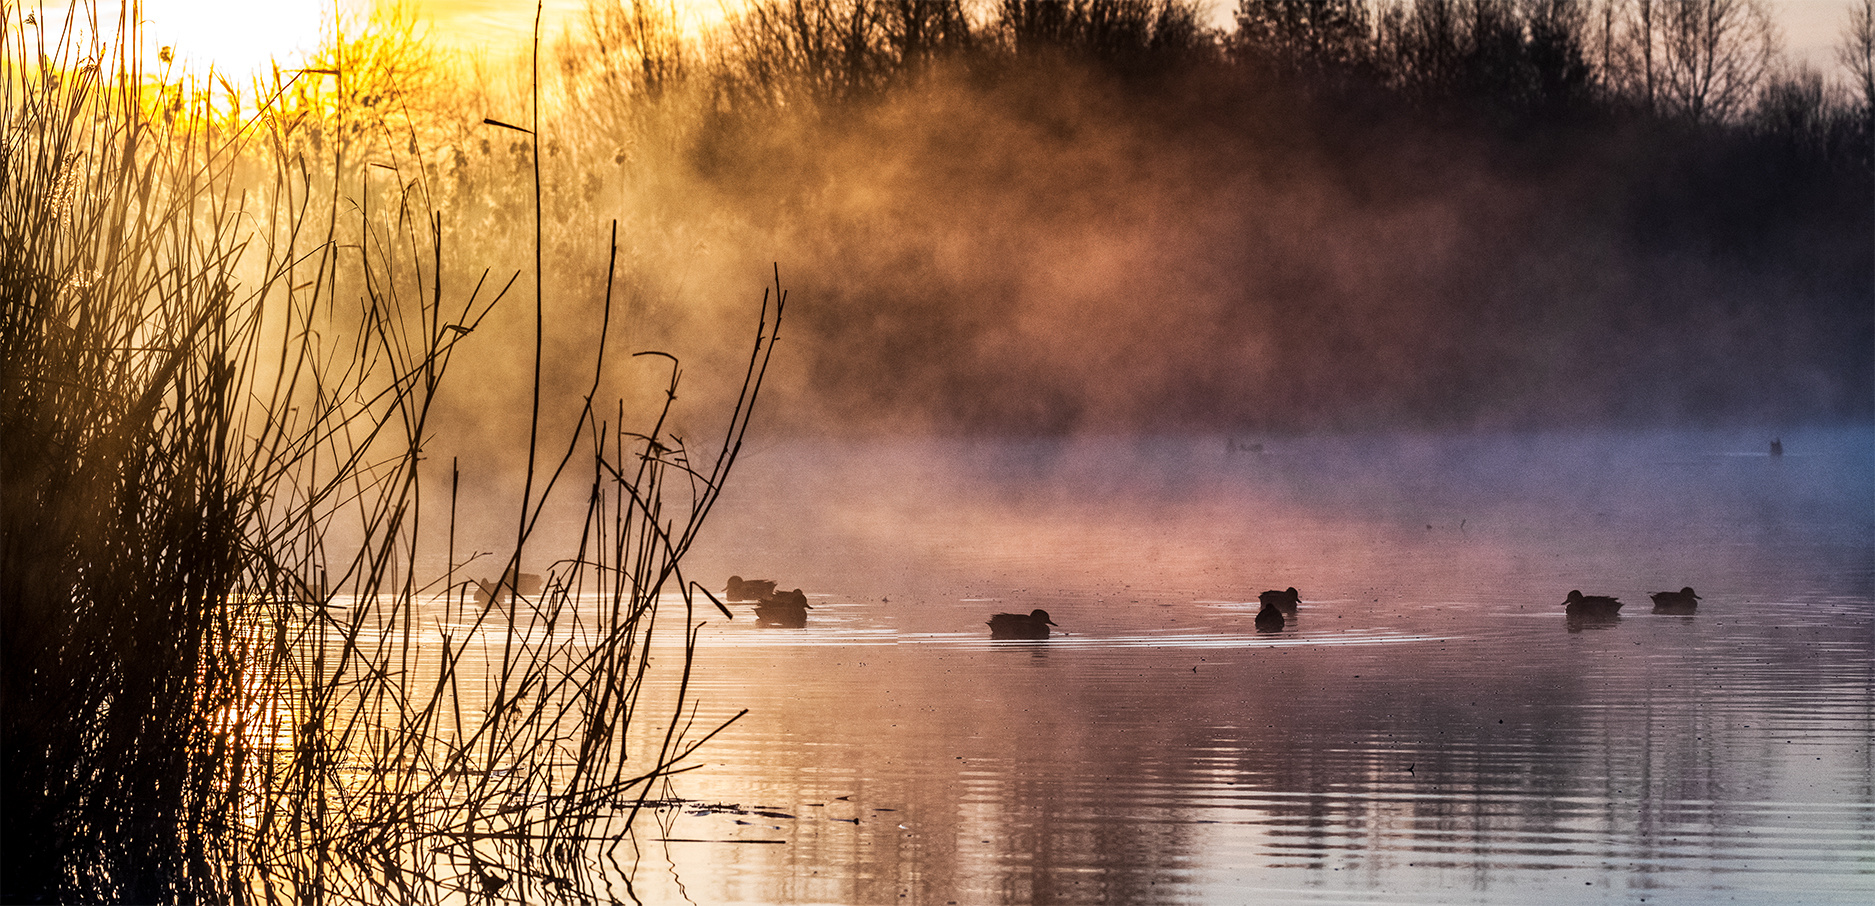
1423, 731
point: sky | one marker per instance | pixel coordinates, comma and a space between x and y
243, 35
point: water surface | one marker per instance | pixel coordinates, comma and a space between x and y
1430, 727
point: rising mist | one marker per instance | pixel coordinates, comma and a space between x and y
1009, 222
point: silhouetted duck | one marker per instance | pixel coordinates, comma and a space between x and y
1270, 618
783, 609
1031, 625
740, 589
1682, 601
512, 583
1287, 600
1579, 604
1777, 447
484, 591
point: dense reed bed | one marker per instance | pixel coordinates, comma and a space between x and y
232, 670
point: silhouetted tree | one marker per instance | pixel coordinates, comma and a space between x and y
823, 49
1857, 54
919, 30
638, 45
1128, 35
1497, 57
1700, 60
1556, 51
1302, 38
1420, 45
1793, 108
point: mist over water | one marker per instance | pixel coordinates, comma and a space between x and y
1090, 310
1030, 248
1137, 353
1429, 727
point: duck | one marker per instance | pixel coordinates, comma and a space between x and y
1032, 625
1288, 600
740, 589
1580, 604
1682, 601
785, 609
1270, 618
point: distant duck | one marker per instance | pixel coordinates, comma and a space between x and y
1287, 600
740, 589
485, 592
1032, 625
1579, 604
1777, 447
1270, 618
1681, 602
512, 583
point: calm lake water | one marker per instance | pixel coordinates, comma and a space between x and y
1429, 728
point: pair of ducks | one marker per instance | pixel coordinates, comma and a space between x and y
780, 609
1578, 604
1034, 624
788, 610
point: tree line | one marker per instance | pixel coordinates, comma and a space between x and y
1697, 61
1057, 215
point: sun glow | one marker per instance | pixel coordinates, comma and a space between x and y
236, 38
238, 41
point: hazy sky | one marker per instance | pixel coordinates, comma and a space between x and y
235, 34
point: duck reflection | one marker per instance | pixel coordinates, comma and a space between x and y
1576, 622
1680, 602
1031, 625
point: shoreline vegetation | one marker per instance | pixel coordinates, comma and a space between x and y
227, 675
267, 353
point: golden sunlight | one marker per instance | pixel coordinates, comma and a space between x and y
234, 37
476, 26
231, 37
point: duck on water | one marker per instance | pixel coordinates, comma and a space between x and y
1031, 625
741, 590
1287, 601
1581, 605
784, 610
1680, 602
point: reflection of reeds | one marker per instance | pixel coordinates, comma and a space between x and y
221, 676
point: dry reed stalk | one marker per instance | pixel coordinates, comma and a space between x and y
222, 678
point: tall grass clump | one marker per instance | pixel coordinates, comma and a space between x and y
243, 657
